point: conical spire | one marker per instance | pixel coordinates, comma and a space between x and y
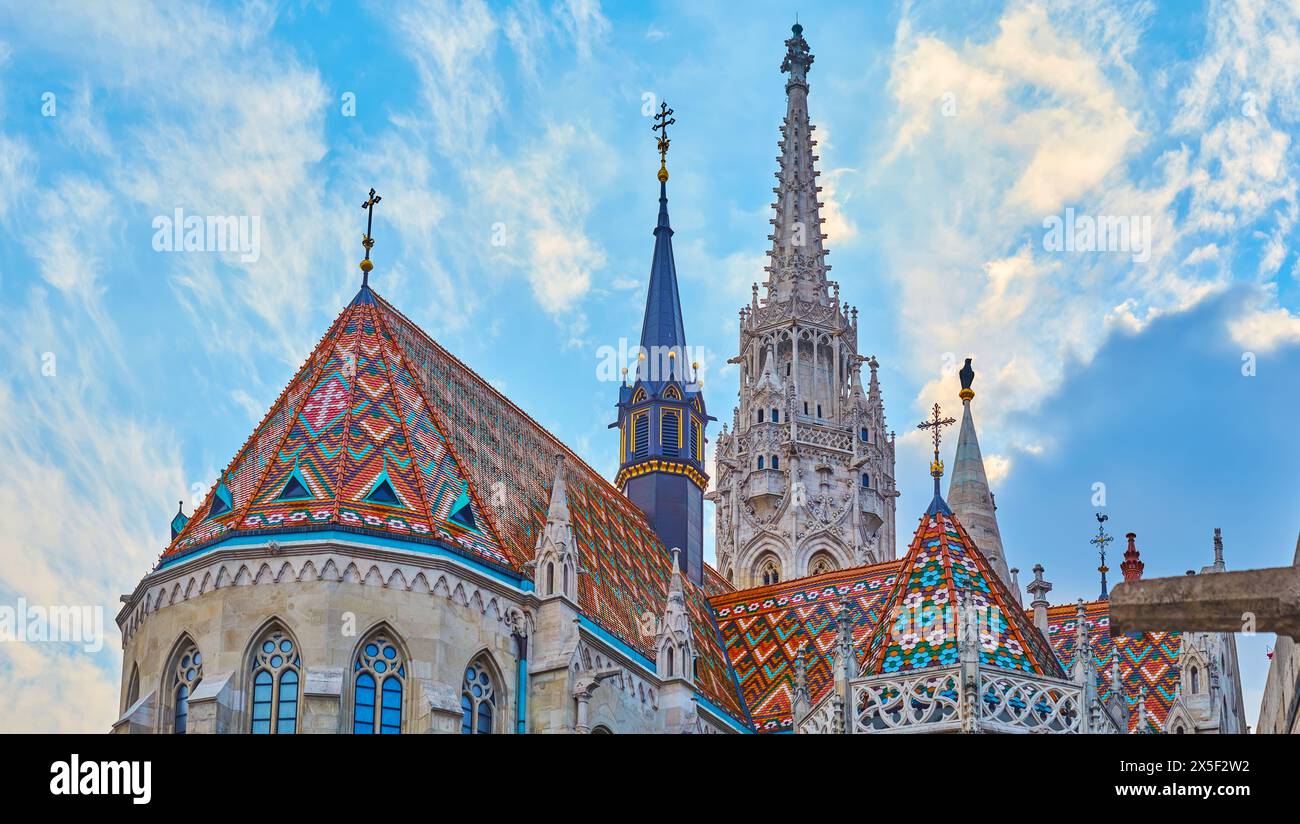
797, 267
968, 490
662, 330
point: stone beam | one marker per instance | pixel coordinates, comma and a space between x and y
1218, 602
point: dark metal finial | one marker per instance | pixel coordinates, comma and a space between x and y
366, 239
663, 119
1100, 541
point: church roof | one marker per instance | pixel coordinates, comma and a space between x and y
763, 629
350, 444
506, 452
1149, 660
942, 570
382, 432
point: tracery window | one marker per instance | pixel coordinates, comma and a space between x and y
186, 675
275, 669
770, 572
478, 701
379, 674
821, 564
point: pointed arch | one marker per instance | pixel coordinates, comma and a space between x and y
132, 693
767, 570
672, 393
482, 696
273, 673
379, 683
183, 672
821, 563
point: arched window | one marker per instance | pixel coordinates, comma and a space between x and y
769, 572
1196, 680
478, 702
819, 410
550, 578
821, 564
601, 730
186, 675
864, 435
760, 461
133, 688
866, 481
276, 670
760, 416
776, 461
776, 416
379, 679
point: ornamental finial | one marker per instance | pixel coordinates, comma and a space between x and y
935, 423
663, 120
967, 375
1100, 541
366, 240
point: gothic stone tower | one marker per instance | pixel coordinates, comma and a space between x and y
661, 416
805, 477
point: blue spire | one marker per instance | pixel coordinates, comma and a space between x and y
662, 326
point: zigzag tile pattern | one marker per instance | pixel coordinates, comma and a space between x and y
340, 429
763, 629
1148, 660
942, 570
510, 460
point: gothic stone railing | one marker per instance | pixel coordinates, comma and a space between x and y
932, 702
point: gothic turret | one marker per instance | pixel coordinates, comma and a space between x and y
661, 415
805, 477
968, 491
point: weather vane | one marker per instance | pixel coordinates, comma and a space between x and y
1100, 541
663, 120
366, 240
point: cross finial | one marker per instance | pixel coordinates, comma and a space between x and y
366, 240
663, 119
935, 424
1100, 540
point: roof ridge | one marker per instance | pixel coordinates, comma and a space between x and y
846, 572
447, 441
601, 480
275, 405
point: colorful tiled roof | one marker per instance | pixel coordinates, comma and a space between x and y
1149, 660
350, 444
941, 571
763, 629
510, 458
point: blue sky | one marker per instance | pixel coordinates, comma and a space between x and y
949, 132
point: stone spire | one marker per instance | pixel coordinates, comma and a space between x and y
1039, 589
1132, 566
797, 264
968, 489
555, 562
675, 648
1219, 565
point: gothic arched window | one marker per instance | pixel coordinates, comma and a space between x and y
275, 669
186, 675
864, 435
379, 679
133, 688
776, 416
760, 461
776, 461
769, 572
866, 481
821, 564
760, 416
1196, 680
478, 701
